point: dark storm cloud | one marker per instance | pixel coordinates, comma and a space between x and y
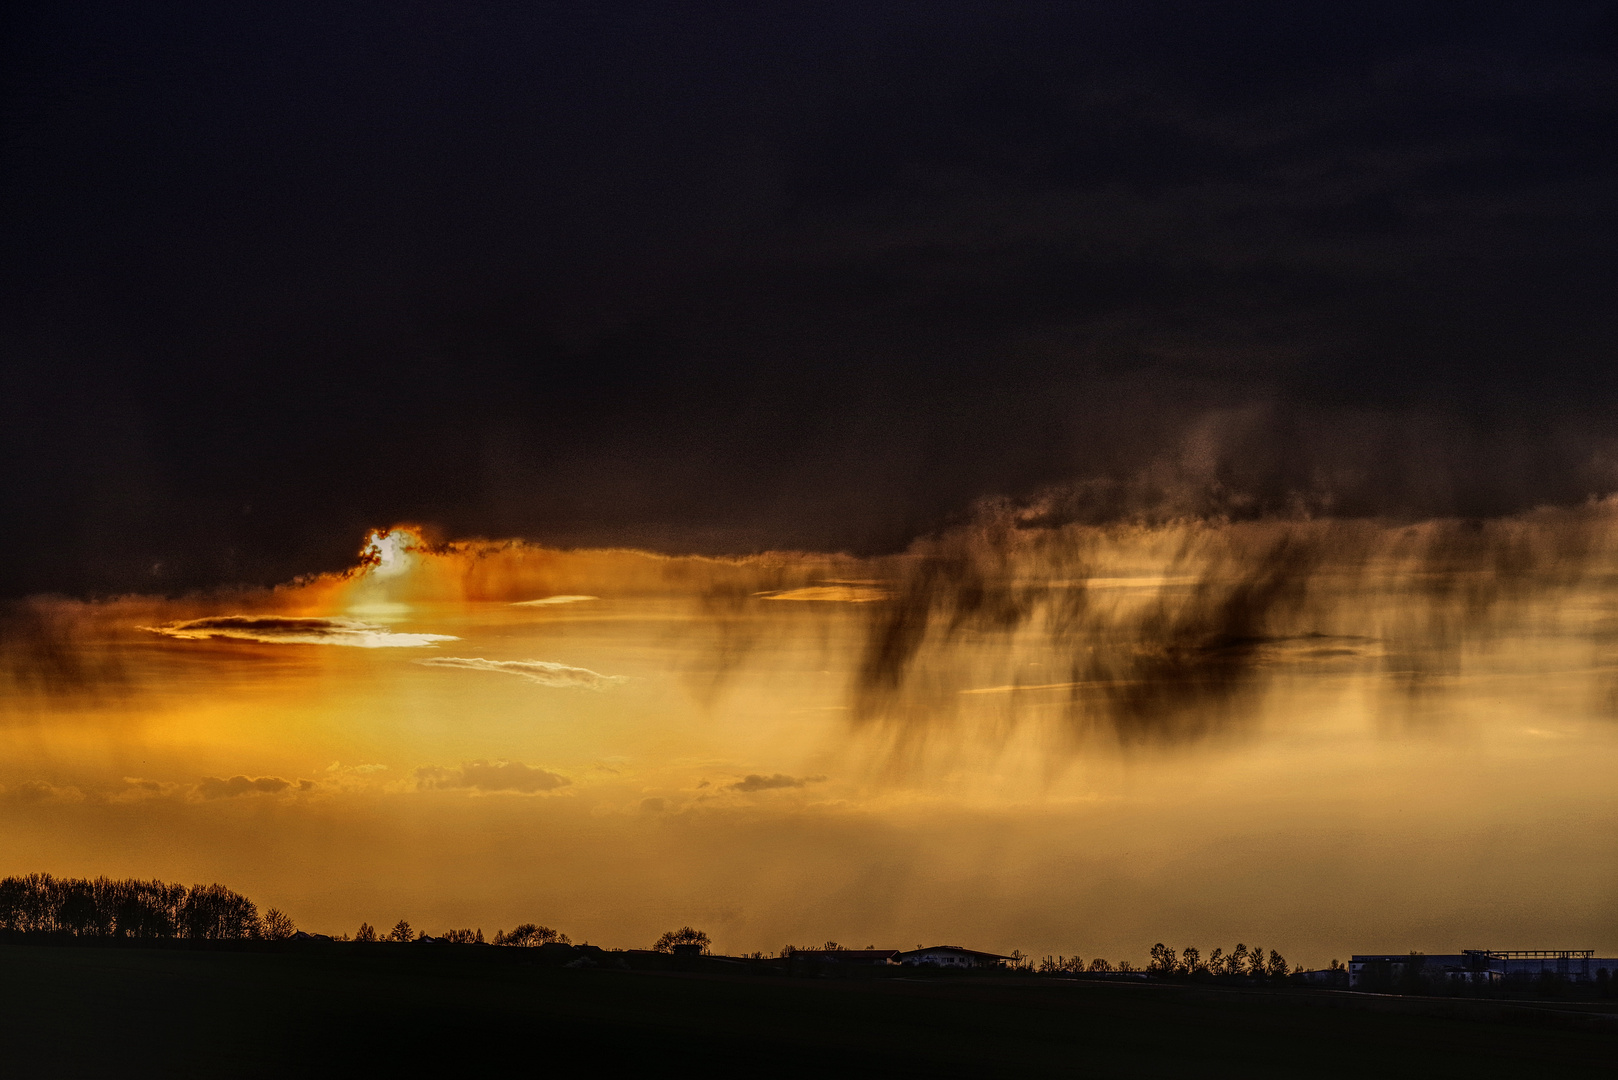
57, 651
695, 277
1180, 651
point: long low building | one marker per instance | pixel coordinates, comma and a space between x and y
951, 956
1478, 965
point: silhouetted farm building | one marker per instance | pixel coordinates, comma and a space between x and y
1371, 970
951, 956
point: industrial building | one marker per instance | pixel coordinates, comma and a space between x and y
1370, 970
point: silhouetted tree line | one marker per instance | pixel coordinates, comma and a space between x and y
526, 934
104, 908
1239, 962
1075, 965
1166, 963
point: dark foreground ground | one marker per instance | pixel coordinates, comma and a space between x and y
144, 1012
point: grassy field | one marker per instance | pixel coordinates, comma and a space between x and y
109, 1011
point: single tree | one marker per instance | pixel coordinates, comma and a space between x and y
401, 932
278, 925
1100, 966
685, 935
531, 935
1191, 961
366, 932
1164, 961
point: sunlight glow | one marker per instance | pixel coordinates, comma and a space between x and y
389, 552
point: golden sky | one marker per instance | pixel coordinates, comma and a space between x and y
1319, 737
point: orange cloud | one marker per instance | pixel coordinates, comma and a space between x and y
506, 776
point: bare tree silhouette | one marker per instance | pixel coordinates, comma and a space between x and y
530, 934
277, 925
685, 935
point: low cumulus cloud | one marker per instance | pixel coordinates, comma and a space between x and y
137, 787
280, 630
542, 672
40, 791
755, 782
511, 776
217, 787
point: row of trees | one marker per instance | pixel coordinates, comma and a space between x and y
1242, 961
129, 908
105, 908
527, 934
1074, 965
1188, 964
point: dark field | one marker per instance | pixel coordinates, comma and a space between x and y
174, 1012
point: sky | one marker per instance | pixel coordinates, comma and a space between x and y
727, 278
1057, 475
1322, 737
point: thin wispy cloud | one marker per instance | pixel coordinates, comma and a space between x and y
552, 601
542, 672
280, 630
831, 594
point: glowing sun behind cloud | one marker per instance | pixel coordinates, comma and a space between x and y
391, 552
